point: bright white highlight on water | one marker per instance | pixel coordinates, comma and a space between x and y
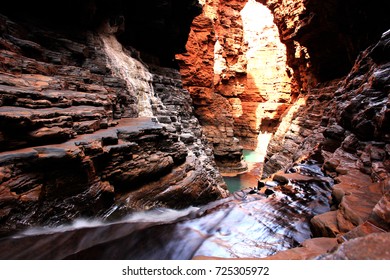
159, 215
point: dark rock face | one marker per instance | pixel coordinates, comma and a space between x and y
71, 140
157, 27
335, 44
367, 114
167, 23
334, 32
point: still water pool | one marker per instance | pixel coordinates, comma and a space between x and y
248, 179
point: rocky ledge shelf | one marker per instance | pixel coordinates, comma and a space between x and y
91, 173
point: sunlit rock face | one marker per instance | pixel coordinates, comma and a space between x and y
268, 90
235, 69
87, 126
219, 26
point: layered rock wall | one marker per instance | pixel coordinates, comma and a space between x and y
219, 24
235, 69
320, 47
75, 140
340, 125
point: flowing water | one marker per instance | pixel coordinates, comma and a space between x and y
247, 224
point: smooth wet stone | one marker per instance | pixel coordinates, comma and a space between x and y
271, 184
280, 178
309, 249
24, 154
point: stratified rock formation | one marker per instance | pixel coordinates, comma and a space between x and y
91, 128
342, 123
197, 68
76, 138
323, 41
236, 71
315, 107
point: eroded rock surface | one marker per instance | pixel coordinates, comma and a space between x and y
71, 140
349, 138
236, 70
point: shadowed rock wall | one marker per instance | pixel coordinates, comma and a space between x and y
71, 140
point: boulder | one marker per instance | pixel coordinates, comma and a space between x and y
371, 247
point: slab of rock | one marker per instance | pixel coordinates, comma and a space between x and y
375, 246
357, 205
325, 225
309, 249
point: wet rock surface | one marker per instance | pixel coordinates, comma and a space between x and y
87, 175
245, 225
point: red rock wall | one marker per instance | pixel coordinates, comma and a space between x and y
253, 85
219, 21
235, 69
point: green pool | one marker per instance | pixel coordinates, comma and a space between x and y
247, 179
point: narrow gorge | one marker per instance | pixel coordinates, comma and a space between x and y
186, 129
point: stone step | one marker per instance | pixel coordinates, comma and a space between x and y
78, 113
21, 127
110, 138
31, 98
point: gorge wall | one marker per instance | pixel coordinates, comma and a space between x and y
339, 114
325, 99
88, 127
245, 67
235, 69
